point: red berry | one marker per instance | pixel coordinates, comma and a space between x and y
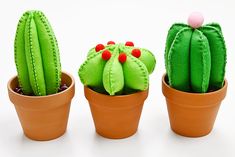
111, 43
122, 57
99, 47
129, 43
106, 55
136, 53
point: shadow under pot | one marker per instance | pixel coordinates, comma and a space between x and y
192, 114
115, 117
43, 117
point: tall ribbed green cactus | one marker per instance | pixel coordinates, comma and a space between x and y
37, 55
195, 58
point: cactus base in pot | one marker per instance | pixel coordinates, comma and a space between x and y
116, 81
194, 85
42, 104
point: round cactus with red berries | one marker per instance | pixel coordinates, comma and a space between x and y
117, 69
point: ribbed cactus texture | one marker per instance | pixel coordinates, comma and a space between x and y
37, 55
117, 69
195, 59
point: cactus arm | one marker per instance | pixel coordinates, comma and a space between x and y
20, 60
175, 28
33, 58
91, 71
178, 60
218, 56
148, 59
49, 53
215, 25
136, 74
200, 62
113, 79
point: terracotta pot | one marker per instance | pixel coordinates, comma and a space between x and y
116, 117
192, 114
43, 117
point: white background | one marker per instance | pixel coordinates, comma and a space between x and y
80, 25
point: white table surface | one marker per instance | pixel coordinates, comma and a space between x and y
80, 25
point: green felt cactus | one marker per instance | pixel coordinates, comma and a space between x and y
195, 56
37, 55
117, 69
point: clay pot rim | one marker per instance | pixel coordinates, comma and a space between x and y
117, 102
116, 96
196, 94
40, 97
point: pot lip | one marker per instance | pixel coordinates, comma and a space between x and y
116, 96
115, 102
195, 94
40, 97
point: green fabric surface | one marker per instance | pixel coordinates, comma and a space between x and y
37, 55
195, 59
115, 77
175, 28
218, 56
20, 59
136, 74
178, 60
200, 62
